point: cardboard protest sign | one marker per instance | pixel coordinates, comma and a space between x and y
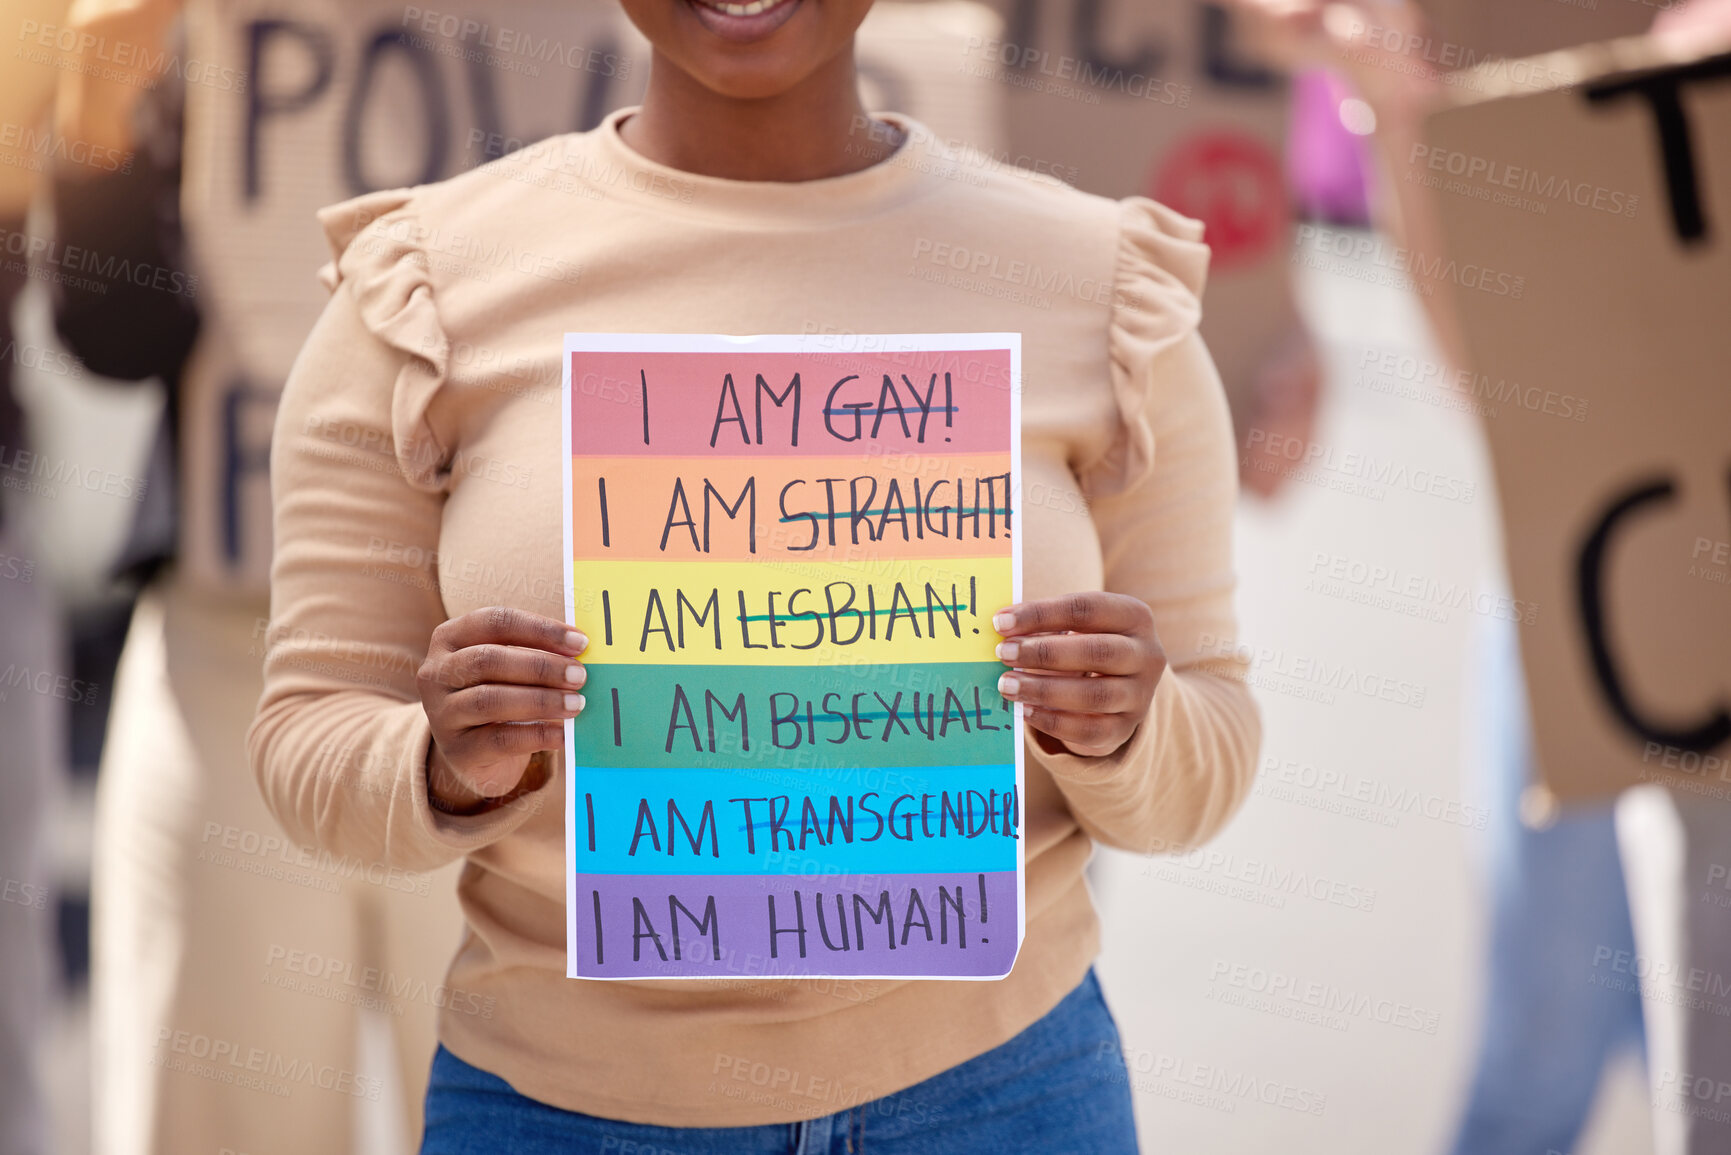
299, 106
1609, 416
1468, 33
1126, 98
786, 555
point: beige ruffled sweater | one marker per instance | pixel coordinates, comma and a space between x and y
416, 476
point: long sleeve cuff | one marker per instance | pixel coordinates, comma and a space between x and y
361, 786
1180, 776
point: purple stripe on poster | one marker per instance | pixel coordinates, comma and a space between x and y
722, 926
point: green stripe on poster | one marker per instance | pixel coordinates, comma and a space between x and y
788, 717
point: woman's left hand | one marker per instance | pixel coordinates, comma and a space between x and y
1084, 668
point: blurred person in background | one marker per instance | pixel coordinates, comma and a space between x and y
1171, 99
1166, 99
210, 929
32, 717
1565, 885
1555, 895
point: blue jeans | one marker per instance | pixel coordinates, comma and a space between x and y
1059, 1088
1554, 1012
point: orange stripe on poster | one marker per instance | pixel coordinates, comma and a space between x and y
793, 508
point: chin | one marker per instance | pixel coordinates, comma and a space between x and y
750, 80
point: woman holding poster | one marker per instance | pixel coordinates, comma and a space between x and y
1011, 517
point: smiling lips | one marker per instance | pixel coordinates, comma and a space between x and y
751, 9
744, 22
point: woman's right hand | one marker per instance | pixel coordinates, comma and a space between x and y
497, 686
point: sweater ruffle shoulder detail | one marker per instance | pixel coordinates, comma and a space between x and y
1162, 265
376, 249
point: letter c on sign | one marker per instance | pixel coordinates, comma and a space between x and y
1590, 587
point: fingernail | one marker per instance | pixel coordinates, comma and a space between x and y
574, 703
1008, 650
576, 675
576, 642
1004, 622
1008, 685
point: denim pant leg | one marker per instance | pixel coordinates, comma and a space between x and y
1058, 1088
1061, 1087
1554, 1011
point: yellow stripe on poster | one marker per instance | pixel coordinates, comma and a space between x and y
791, 613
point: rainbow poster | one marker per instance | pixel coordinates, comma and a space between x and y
786, 552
